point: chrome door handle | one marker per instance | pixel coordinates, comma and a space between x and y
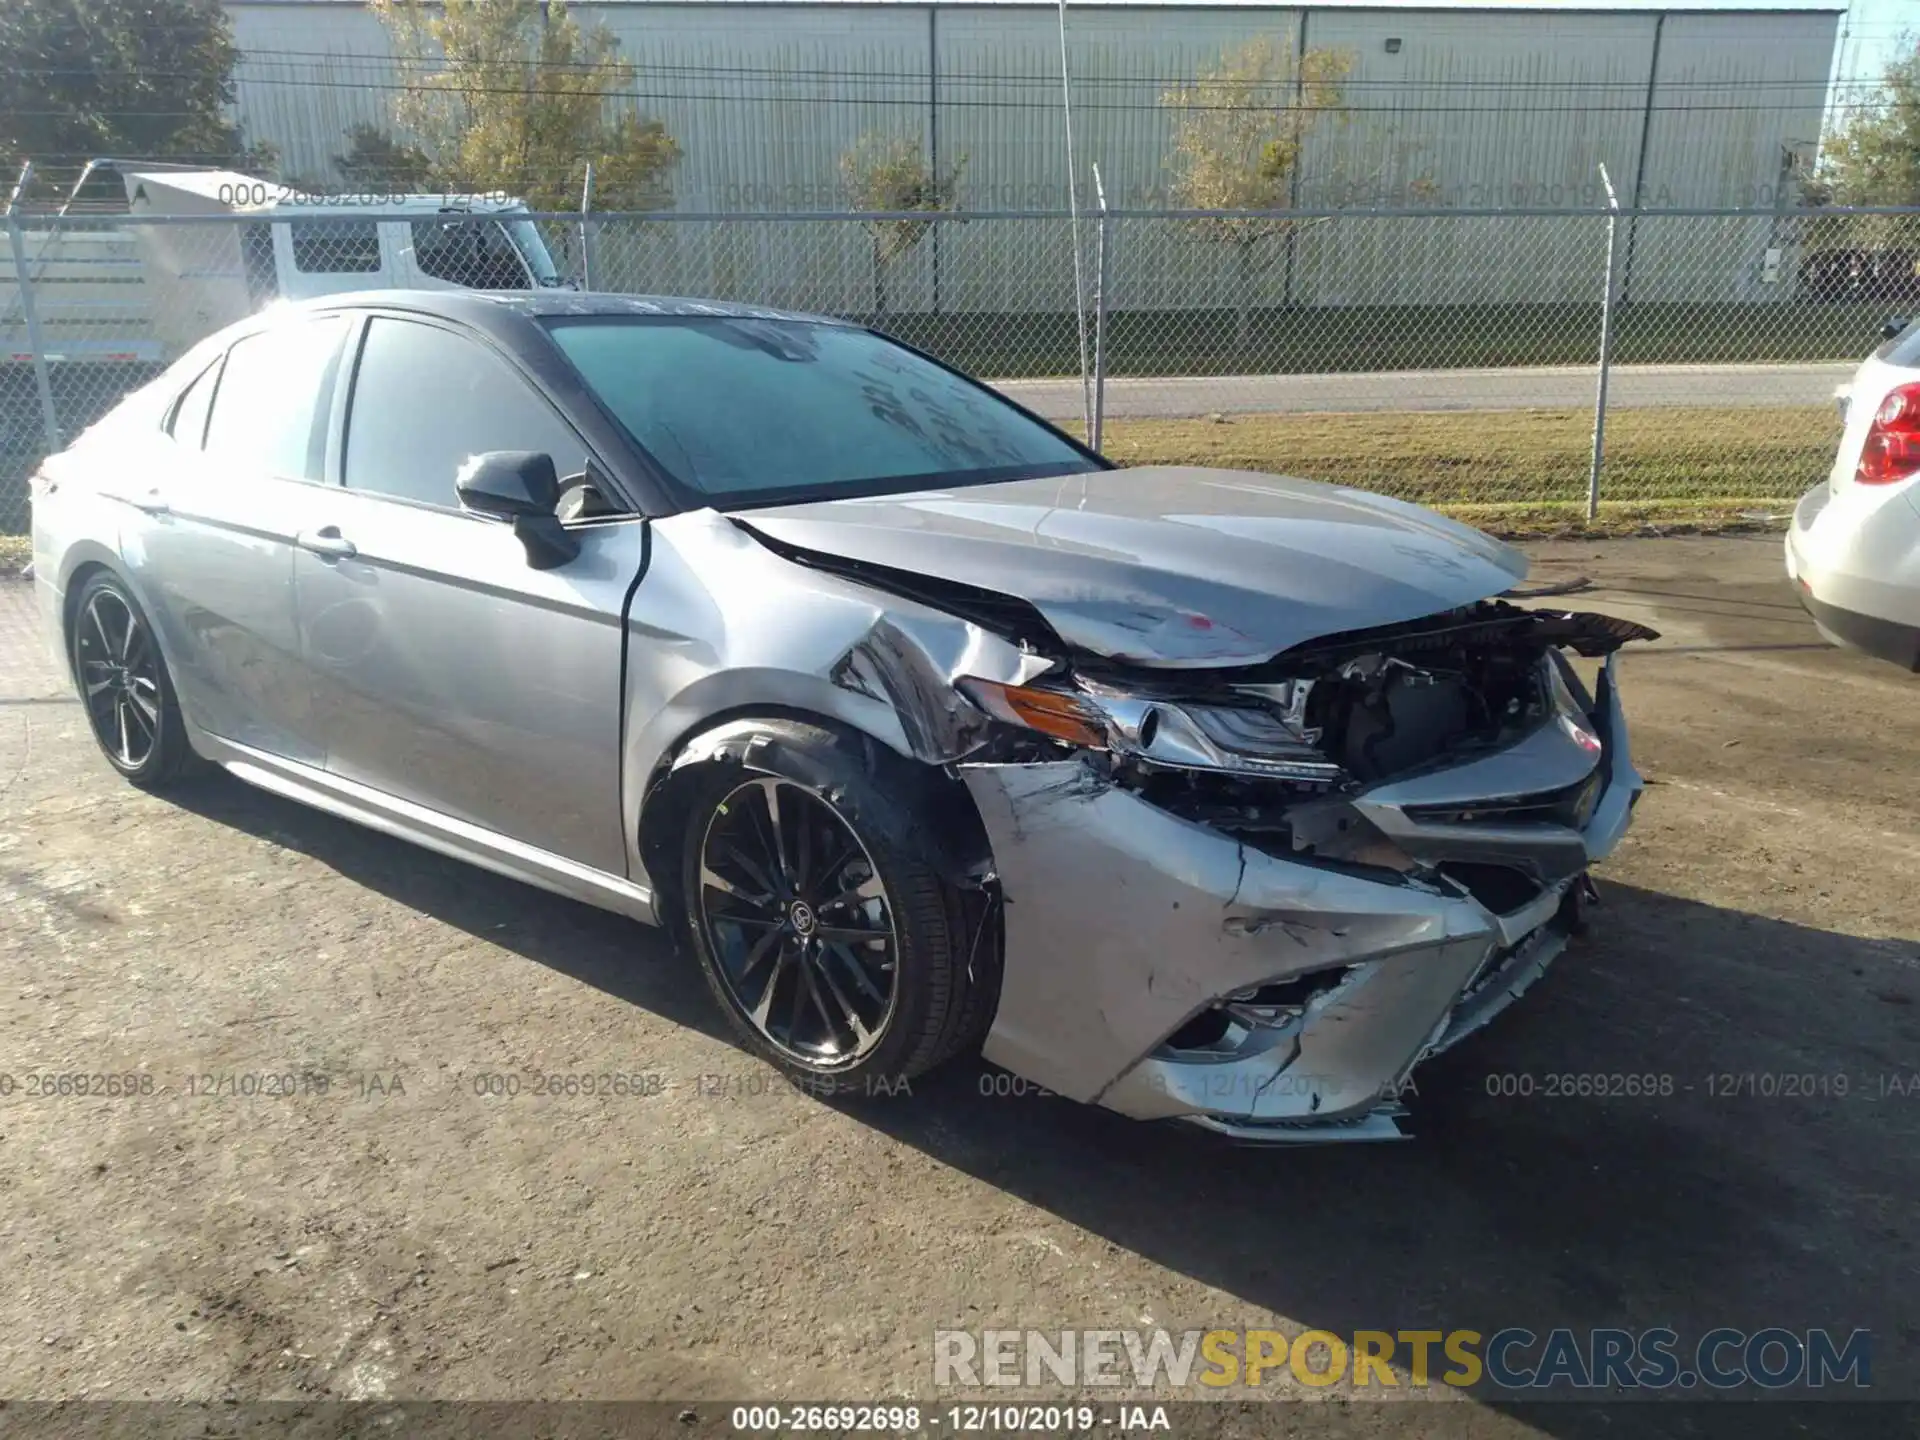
328, 542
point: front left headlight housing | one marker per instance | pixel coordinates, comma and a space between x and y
1247, 740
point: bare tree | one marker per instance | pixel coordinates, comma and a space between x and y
890, 174
1240, 130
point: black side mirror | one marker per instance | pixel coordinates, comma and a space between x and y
522, 487
1891, 330
509, 483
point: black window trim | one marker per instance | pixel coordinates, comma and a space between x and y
334, 475
685, 497
341, 428
171, 415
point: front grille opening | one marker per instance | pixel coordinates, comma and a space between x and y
1294, 993
1571, 806
1498, 887
1258, 1007
1207, 1028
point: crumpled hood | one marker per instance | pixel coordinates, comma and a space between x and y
1170, 565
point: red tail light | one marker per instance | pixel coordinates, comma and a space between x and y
1892, 451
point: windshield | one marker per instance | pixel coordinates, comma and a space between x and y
755, 412
526, 239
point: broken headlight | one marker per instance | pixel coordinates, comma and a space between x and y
1266, 740
1252, 739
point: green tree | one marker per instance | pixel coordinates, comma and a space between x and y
146, 80
515, 95
1873, 158
890, 174
1239, 132
376, 163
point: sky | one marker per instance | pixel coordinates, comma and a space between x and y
1870, 35
1869, 31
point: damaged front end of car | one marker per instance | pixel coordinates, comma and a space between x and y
1254, 897
1265, 899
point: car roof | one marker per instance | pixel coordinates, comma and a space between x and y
486, 307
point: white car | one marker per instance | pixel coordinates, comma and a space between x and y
1854, 549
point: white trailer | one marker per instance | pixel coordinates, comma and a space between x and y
106, 288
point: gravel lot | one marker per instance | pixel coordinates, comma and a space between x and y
719, 1236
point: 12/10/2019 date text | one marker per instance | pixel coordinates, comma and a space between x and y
954, 1419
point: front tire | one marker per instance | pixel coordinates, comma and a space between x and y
124, 686
835, 949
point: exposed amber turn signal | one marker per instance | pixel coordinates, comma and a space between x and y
1049, 711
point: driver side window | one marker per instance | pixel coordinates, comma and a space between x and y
425, 400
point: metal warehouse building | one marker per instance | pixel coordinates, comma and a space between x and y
1508, 105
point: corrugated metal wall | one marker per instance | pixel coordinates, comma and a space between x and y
1725, 119
307, 75
1513, 109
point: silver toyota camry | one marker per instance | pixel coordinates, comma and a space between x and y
1189, 793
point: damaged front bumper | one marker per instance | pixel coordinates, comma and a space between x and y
1165, 969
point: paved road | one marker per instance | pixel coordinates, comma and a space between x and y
1544, 388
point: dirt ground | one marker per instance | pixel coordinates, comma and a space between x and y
712, 1234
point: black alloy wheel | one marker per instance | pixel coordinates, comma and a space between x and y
820, 909
124, 685
799, 923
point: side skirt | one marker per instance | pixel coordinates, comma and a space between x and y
442, 833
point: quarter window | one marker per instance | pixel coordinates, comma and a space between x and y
336, 247
425, 400
275, 398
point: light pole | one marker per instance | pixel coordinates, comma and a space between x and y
1073, 223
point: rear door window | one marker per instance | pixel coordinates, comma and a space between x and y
274, 400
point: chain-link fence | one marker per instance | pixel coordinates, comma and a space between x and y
1451, 357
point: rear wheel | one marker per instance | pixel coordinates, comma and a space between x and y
124, 685
835, 949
